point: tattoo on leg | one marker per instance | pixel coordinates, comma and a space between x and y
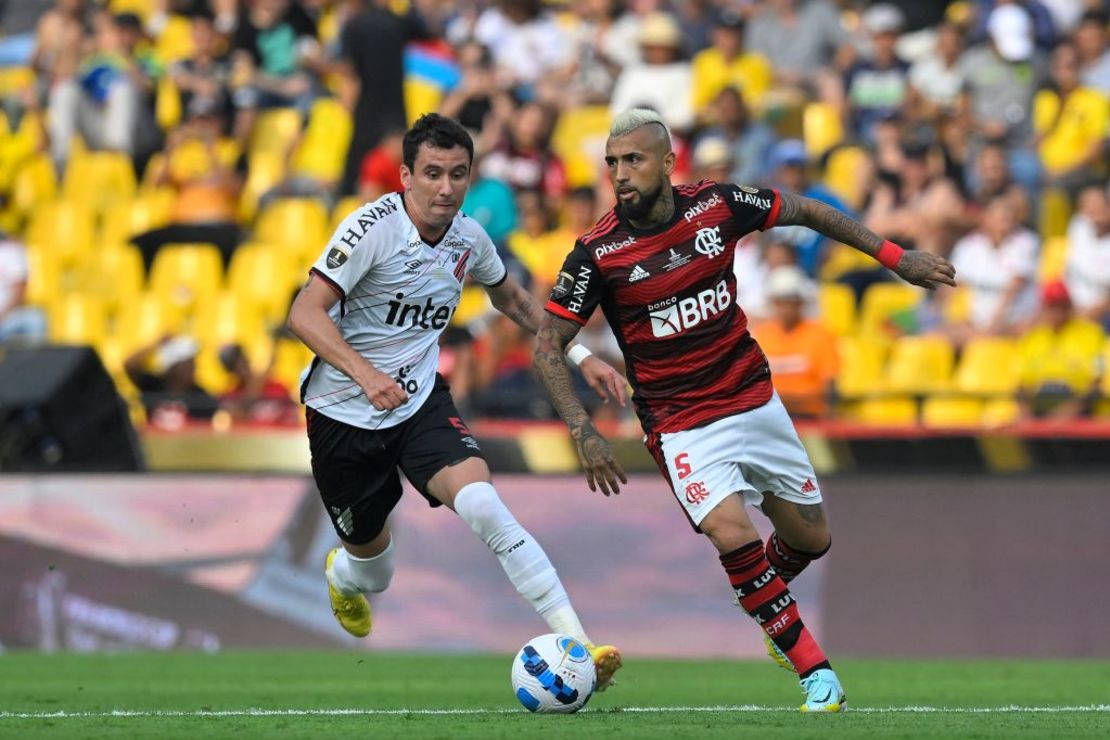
811, 514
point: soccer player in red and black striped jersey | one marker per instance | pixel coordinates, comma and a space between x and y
660, 265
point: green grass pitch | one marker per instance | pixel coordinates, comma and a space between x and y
382, 695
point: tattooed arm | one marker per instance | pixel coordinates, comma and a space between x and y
511, 299
917, 267
602, 469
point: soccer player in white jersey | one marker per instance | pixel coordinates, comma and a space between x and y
372, 311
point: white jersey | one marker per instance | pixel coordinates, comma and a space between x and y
397, 295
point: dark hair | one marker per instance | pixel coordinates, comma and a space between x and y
1099, 17
439, 131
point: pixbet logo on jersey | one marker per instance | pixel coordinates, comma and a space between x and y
675, 315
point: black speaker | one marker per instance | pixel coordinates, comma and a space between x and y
60, 411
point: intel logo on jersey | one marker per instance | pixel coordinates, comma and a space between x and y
675, 315
701, 207
605, 249
415, 316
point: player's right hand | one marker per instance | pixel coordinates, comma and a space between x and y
602, 469
925, 269
383, 391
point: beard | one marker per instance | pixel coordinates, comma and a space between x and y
639, 210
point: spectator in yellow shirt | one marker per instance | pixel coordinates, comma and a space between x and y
726, 64
1060, 358
1071, 123
801, 351
541, 246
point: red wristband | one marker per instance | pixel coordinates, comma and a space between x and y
889, 254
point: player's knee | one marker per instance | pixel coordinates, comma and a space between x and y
729, 534
481, 508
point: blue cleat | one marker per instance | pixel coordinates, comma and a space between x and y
823, 692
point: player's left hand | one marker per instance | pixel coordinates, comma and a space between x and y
604, 379
925, 269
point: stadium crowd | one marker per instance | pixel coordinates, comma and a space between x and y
170, 168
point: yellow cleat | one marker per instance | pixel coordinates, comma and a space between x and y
353, 612
607, 660
778, 655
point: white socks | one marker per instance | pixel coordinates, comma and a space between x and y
523, 559
351, 575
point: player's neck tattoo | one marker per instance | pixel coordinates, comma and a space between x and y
662, 211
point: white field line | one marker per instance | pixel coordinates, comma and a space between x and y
742, 708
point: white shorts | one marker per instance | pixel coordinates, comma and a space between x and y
751, 453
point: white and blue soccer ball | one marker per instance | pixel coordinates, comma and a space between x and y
554, 674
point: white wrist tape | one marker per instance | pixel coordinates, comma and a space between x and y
577, 353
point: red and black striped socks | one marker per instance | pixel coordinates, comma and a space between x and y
787, 561
763, 594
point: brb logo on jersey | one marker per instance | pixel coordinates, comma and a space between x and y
675, 315
708, 242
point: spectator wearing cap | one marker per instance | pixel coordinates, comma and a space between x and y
165, 374
1042, 25
997, 265
662, 81
801, 351
1059, 358
1094, 55
1001, 76
877, 87
1071, 123
1087, 271
712, 159
791, 171
750, 142
727, 64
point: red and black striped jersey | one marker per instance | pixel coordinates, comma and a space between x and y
669, 294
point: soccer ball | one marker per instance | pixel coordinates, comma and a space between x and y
554, 674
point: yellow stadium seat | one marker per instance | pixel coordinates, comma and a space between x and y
344, 208
1000, 412
846, 173
841, 259
149, 210
78, 318
146, 320
1054, 259
113, 353
15, 80
114, 274
35, 183
861, 366
298, 225
884, 304
989, 366
64, 229
167, 103
291, 357
228, 318
322, 153
919, 365
821, 128
421, 97
99, 179
44, 281
265, 170
210, 373
265, 276
581, 131
837, 304
957, 307
188, 275
175, 42
142, 8
892, 411
951, 412
274, 132
1055, 213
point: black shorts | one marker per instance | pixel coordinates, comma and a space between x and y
356, 469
